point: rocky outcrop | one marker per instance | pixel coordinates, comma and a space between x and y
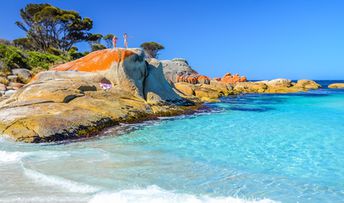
157, 90
199, 91
176, 67
217, 88
228, 78
15, 80
205, 92
336, 86
193, 78
307, 84
178, 70
80, 98
280, 82
250, 87
24, 75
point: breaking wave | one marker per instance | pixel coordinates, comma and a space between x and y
9, 157
154, 194
50, 180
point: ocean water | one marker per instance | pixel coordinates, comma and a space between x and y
247, 148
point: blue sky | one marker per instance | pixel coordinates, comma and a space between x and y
262, 39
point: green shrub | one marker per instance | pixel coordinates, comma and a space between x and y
12, 57
74, 54
96, 47
43, 60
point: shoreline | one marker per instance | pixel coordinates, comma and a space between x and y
237, 145
66, 103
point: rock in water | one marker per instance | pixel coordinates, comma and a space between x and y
68, 101
336, 85
280, 82
307, 84
250, 87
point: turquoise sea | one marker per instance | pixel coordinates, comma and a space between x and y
247, 148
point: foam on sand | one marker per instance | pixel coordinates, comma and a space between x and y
9, 157
154, 194
50, 180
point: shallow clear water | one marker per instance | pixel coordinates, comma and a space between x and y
265, 148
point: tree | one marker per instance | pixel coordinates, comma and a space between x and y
5, 42
152, 48
108, 40
94, 39
47, 27
96, 47
23, 43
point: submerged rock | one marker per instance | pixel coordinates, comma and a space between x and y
336, 85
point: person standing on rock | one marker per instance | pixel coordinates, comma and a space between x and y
114, 41
125, 36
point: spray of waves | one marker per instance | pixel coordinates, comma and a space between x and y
155, 194
50, 180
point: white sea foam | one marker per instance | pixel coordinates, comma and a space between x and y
16, 156
50, 180
8, 157
154, 194
43, 199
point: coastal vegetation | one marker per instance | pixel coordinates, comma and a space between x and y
51, 29
51, 35
152, 49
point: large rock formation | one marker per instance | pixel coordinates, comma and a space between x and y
178, 70
82, 97
175, 67
218, 88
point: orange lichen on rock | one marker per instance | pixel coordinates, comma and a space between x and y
203, 79
232, 79
193, 78
96, 61
243, 79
